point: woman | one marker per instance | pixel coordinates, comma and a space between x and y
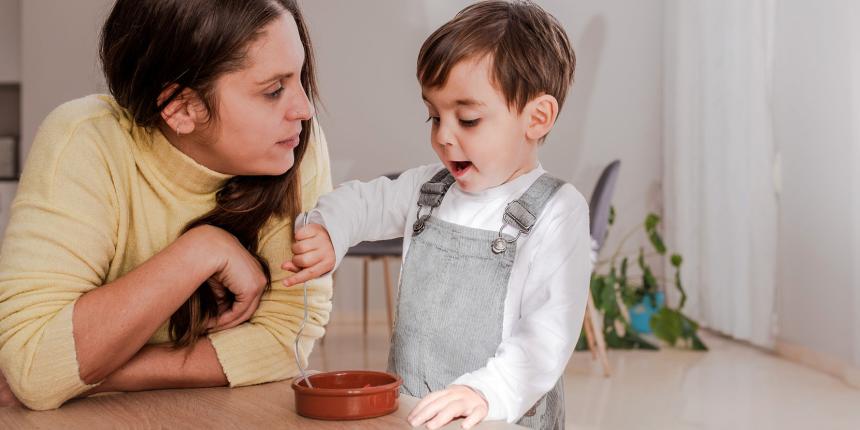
144, 242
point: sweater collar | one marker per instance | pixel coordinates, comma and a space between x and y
169, 163
181, 169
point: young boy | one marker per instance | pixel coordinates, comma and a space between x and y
496, 268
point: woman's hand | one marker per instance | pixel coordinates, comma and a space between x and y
440, 407
236, 272
7, 397
313, 255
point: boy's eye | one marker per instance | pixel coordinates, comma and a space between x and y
469, 122
277, 93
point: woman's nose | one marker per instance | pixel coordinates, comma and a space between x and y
301, 109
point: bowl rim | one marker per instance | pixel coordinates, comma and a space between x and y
341, 392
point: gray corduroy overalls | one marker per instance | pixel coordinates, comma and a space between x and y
451, 302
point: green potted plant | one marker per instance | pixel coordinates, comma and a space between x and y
616, 291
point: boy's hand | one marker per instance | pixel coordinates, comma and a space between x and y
313, 255
440, 407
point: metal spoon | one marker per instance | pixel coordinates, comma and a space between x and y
304, 321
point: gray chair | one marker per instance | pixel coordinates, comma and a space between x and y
599, 210
383, 250
601, 201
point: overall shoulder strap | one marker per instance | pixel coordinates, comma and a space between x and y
523, 212
433, 191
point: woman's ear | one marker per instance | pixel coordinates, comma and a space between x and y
184, 113
541, 113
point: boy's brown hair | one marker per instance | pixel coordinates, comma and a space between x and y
531, 54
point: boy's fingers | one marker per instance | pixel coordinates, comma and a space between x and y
452, 410
422, 405
306, 232
300, 247
444, 415
308, 259
473, 419
430, 410
289, 266
300, 277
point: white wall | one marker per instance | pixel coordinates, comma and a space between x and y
374, 117
59, 57
854, 47
816, 122
10, 41
54, 43
10, 74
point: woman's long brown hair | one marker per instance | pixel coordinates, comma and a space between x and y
150, 45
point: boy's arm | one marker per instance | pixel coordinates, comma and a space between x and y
375, 210
529, 362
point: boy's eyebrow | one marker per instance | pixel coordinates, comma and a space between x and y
460, 102
468, 102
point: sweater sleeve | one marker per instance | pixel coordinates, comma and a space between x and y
261, 350
58, 245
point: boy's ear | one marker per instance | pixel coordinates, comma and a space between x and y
184, 112
541, 113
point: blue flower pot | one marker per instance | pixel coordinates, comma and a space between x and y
640, 313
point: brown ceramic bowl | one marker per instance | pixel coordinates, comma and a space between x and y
347, 395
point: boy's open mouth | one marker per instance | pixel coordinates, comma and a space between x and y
460, 167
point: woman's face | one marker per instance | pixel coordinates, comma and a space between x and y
259, 108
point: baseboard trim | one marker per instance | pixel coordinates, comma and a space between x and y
820, 361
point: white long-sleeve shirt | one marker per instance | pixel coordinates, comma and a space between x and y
546, 293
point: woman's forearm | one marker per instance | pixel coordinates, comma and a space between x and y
157, 367
111, 323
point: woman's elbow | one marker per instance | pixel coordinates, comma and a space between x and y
38, 396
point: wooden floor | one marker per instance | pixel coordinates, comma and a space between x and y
733, 386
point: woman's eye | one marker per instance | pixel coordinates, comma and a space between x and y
277, 93
469, 122
435, 119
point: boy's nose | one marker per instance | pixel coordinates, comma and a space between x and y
444, 137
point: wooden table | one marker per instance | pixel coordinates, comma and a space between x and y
267, 406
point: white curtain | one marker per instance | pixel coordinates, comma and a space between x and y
720, 201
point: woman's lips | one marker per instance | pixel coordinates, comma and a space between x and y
292, 142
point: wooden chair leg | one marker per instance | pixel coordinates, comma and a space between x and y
364, 292
591, 313
589, 336
389, 294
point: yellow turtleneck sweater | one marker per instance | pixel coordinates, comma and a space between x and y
98, 197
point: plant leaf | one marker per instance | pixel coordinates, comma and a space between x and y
698, 345
653, 235
680, 288
651, 221
667, 325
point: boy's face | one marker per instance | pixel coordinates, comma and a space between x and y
479, 139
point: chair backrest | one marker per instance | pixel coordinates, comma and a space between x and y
601, 200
